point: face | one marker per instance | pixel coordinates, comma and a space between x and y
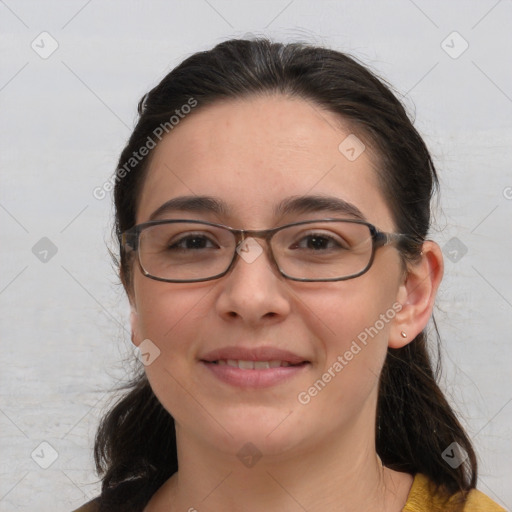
252, 154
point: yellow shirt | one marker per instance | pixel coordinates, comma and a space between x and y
420, 499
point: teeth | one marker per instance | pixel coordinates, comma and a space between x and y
252, 365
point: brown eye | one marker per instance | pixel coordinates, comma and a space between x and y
320, 242
193, 242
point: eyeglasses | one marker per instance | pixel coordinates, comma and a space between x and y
189, 251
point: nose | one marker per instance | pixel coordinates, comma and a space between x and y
253, 291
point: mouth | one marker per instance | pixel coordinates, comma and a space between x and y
253, 368
254, 365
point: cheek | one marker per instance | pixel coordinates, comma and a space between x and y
352, 320
347, 309
170, 316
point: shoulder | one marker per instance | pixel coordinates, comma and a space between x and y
91, 506
423, 497
478, 501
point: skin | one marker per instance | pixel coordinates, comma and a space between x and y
253, 153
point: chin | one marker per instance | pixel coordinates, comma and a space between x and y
265, 430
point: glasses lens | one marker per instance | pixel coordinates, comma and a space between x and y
185, 251
323, 250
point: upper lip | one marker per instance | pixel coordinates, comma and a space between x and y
253, 354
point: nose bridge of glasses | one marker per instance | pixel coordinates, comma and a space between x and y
262, 234
256, 243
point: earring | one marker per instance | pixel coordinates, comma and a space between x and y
403, 334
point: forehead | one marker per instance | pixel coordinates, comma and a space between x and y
254, 153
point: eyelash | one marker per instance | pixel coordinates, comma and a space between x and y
192, 236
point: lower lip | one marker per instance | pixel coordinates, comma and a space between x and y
254, 378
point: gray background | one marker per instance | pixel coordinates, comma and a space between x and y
64, 120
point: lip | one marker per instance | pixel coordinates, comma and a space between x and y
253, 378
253, 354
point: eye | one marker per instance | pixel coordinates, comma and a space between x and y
192, 241
320, 242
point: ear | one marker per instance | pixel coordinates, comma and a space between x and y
417, 294
134, 323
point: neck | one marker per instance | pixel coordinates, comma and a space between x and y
340, 474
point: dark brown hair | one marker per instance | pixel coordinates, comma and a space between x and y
135, 449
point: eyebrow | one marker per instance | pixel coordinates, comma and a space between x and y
317, 203
290, 206
197, 204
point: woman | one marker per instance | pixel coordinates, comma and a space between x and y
272, 208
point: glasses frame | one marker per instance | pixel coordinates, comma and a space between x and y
129, 241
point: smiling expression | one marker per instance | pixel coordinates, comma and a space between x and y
235, 352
